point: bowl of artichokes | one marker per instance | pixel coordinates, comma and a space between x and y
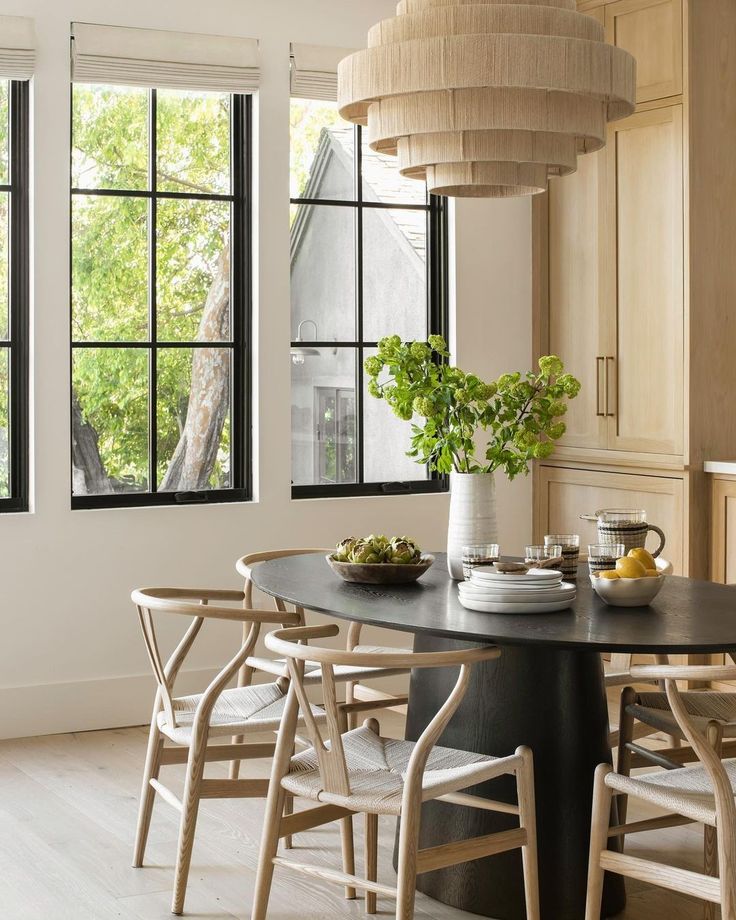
379, 560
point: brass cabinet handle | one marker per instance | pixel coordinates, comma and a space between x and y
599, 362
609, 414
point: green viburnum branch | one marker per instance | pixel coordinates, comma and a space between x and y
521, 414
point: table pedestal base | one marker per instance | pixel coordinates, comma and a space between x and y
554, 702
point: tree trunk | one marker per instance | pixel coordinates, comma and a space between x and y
88, 470
194, 459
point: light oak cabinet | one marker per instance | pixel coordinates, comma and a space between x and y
564, 494
723, 530
643, 304
634, 281
651, 30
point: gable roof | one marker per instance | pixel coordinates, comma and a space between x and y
382, 182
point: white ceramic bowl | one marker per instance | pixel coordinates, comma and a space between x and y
628, 592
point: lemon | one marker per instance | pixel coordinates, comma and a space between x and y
609, 574
628, 567
652, 573
644, 556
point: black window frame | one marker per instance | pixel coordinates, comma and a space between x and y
437, 324
18, 296
241, 307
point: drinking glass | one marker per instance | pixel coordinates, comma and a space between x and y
479, 554
602, 556
570, 543
540, 553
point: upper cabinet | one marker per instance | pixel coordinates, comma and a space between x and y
574, 327
644, 300
652, 31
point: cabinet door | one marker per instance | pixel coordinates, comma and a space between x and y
651, 30
564, 494
723, 536
574, 329
645, 283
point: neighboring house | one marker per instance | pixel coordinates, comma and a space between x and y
323, 291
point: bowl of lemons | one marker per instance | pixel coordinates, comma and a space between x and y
635, 581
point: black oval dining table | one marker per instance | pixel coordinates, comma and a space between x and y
546, 691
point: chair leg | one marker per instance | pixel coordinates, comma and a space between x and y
528, 820
275, 806
245, 677
714, 734
188, 824
602, 796
623, 756
406, 888
269, 849
288, 810
371, 859
148, 793
348, 853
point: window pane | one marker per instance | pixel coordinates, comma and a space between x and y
386, 439
193, 271
323, 273
109, 137
382, 180
323, 424
4, 266
109, 420
4, 132
4, 422
193, 419
109, 269
322, 152
193, 138
394, 274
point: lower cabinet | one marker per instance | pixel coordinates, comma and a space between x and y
563, 494
723, 530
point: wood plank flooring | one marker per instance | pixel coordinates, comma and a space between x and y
67, 817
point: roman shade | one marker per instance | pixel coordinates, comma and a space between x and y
314, 71
175, 60
17, 48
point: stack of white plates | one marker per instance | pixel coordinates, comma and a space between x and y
539, 591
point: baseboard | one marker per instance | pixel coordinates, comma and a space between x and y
110, 702
86, 705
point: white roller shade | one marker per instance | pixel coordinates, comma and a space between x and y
314, 71
17, 48
177, 60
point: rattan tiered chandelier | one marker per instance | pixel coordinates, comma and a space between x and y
487, 98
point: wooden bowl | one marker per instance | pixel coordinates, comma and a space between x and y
380, 573
628, 592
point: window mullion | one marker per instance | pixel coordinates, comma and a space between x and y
359, 427
152, 285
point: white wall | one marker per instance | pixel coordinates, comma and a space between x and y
70, 653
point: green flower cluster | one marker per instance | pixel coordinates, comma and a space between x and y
375, 550
520, 414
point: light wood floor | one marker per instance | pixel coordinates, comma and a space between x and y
67, 815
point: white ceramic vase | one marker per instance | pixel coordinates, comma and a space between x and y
472, 516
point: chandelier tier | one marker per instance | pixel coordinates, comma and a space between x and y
486, 98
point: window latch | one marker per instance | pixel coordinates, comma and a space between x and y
396, 488
191, 498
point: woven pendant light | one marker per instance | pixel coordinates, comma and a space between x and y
486, 98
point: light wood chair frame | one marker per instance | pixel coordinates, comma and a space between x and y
632, 756
195, 603
292, 644
710, 886
358, 698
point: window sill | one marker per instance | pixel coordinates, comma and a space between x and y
158, 500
